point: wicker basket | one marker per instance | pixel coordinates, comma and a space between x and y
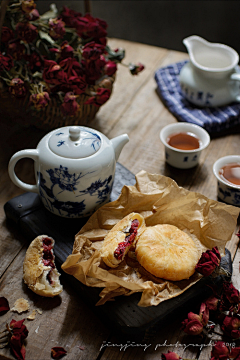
19, 109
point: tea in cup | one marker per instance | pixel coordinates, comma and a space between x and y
227, 172
184, 143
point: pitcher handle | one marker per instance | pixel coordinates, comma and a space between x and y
29, 153
236, 77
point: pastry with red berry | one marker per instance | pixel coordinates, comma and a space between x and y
121, 238
39, 269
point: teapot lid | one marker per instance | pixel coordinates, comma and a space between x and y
74, 142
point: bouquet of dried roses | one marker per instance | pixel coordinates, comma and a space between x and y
56, 66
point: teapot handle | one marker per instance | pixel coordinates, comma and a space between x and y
236, 76
32, 154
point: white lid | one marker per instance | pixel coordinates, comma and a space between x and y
74, 142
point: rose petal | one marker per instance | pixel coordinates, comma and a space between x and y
58, 352
4, 305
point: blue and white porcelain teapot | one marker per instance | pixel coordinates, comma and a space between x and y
74, 169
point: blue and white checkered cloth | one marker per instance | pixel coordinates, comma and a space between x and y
215, 120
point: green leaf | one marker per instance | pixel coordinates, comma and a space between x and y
44, 35
51, 14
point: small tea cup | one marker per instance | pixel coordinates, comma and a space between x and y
226, 191
184, 159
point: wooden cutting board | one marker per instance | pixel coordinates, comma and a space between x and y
32, 219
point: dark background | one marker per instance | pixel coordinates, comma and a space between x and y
164, 23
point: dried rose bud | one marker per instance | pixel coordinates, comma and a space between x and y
231, 326
70, 106
192, 325
33, 15
171, 356
17, 87
40, 100
58, 352
136, 69
212, 303
220, 351
57, 28
4, 305
7, 34
6, 62
100, 98
106, 83
235, 352
16, 49
93, 51
28, 6
208, 262
26, 32
110, 68
204, 314
231, 293
18, 332
66, 50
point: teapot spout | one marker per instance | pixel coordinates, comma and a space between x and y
118, 144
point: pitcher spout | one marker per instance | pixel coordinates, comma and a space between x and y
118, 144
210, 57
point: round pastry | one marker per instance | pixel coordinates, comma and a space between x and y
39, 270
121, 238
167, 252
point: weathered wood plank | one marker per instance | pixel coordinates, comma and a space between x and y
65, 320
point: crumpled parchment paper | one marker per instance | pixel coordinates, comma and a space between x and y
161, 201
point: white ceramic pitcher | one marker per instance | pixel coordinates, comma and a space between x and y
211, 76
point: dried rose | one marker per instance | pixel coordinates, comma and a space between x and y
4, 305
58, 352
26, 32
28, 6
16, 49
17, 87
171, 356
66, 50
110, 68
231, 326
52, 73
219, 351
6, 62
212, 303
192, 325
204, 314
7, 34
71, 67
235, 353
136, 69
40, 100
70, 106
56, 28
18, 332
93, 50
231, 293
93, 69
33, 15
100, 98
70, 16
35, 62
208, 262
89, 27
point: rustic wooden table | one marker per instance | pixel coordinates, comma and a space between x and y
67, 320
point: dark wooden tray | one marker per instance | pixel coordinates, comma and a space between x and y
32, 219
